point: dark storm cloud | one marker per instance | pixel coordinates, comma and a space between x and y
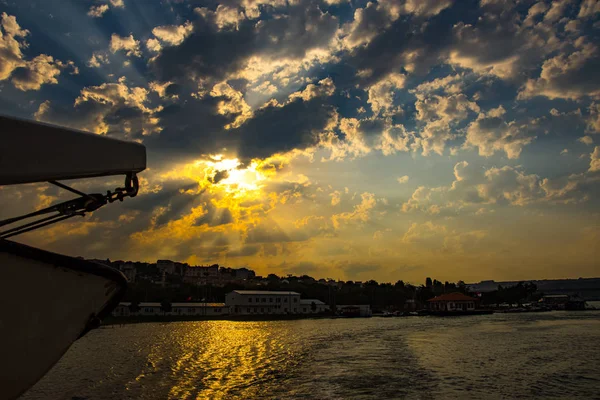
191, 128
216, 49
207, 52
279, 129
244, 251
194, 128
219, 176
270, 234
471, 34
355, 269
214, 216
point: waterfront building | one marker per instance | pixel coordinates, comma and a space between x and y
360, 310
312, 306
562, 302
452, 302
252, 302
183, 309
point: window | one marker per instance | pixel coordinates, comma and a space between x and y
295, 310
303, 309
249, 299
264, 300
278, 300
262, 310
248, 309
270, 299
217, 310
285, 300
295, 300
285, 310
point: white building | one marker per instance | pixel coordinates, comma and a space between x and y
312, 306
149, 309
248, 302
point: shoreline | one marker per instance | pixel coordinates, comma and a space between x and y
184, 318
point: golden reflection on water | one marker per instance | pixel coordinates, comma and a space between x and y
221, 359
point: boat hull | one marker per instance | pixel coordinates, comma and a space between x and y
50, 300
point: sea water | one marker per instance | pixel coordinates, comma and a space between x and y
533, 355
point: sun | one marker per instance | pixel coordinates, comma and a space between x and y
227, 175
235, 179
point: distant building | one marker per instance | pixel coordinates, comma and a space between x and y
452, 302
312, 306
183, 309
563, 302
166, 266
129, 270
586, 288
249, 302
361, 310
201, 275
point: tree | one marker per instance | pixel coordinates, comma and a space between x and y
165, 306
428, 282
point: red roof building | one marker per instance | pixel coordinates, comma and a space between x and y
452, 302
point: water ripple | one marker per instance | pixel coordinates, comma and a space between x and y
554, 355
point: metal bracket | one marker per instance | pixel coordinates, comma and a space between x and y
71, 208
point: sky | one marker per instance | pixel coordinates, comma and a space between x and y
341, 139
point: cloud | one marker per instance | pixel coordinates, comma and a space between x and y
589, 8
97, 60
381, 94
586, 140
569, 75
335, 198
110, 108
491, 133
25, 74
440, 114
475, 186
403, 179
216, 50
232, 103
128, 44
173, 34
419, 233
369, 21
41, 70
361, 212
425, 7
97, 11
595, 160
153, 45
294, 125
594, 118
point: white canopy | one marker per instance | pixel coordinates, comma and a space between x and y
36, 152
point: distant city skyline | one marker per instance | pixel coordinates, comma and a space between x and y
354, 140
488, 283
